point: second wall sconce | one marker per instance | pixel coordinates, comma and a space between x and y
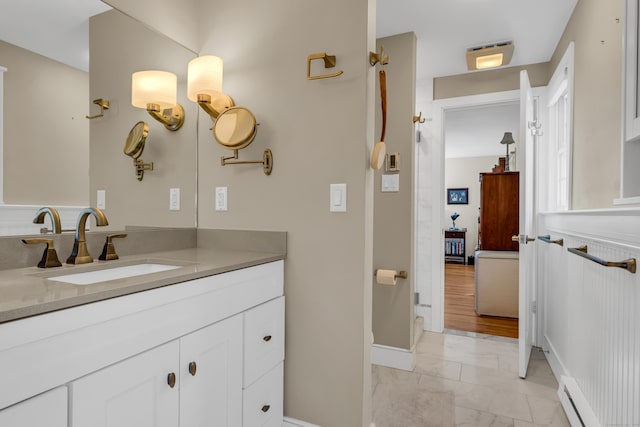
156, 91
235, 127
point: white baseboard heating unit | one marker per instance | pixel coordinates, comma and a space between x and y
575, 405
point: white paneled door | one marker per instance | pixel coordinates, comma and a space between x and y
529, 130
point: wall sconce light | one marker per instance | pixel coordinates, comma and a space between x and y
204, 85
235, 127
489, 56
157, 92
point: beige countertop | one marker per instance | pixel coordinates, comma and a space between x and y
26, 292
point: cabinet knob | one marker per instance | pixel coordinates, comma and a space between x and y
267, 338
171, 380
265, 408
193, 368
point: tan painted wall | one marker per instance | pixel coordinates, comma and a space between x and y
464, 173
394, 212
480, 82
46, 137
319, 135
131, 47
597, 101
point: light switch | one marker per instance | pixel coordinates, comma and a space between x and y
390, 183
338, 198
221, 198
174, 199
101, 199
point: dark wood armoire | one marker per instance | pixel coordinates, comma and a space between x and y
499, 211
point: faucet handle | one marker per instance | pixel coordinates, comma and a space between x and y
49, 257
109, 249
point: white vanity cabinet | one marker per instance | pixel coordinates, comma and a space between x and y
218, 339
196, 379
48, 409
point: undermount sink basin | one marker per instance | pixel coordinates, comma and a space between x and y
97, 276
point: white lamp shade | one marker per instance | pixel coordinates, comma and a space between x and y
154, 87
204, 77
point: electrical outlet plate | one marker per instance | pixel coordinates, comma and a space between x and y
221, 199
174, 199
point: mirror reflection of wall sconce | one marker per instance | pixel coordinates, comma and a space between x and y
134, 146
103, 104
156, 91
235, 127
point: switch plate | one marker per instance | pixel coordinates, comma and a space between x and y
101, 199
338, 198
174, 199
390, 183
221, 198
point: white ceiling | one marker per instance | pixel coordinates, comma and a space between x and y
56, 29
446, 28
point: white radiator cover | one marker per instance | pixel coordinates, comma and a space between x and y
592, 315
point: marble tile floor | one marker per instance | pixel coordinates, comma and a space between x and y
469, 381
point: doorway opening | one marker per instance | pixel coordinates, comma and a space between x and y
472, 141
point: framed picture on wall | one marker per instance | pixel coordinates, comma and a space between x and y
457, 196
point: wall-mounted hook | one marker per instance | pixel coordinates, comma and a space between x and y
419, 118
380, 57
329, 62
104, 105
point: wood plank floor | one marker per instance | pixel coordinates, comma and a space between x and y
459, 305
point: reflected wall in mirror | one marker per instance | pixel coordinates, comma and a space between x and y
120, 46
54, 156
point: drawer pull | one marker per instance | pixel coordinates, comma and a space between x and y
171, 380
265, 408
267, 338
193, 368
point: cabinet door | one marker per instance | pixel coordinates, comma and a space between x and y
48, 409
132, 393
211, 373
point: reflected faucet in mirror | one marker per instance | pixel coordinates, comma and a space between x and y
80, 254
56, 228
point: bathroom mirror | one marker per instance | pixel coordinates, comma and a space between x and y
235, 128
70, 157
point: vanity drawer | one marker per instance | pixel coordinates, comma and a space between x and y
262, 401
263, 339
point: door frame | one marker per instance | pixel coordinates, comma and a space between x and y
436, 276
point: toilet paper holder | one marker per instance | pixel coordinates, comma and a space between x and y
401, 274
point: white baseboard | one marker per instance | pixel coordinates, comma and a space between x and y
575, 405
393, 357
557, 367
291, 422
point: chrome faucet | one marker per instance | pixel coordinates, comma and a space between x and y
80, 254
55, 218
